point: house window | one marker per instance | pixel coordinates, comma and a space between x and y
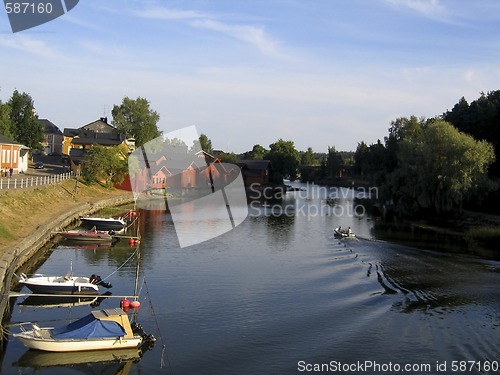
3, 155
14, 157
8, 156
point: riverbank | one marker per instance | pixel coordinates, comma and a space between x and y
28, 219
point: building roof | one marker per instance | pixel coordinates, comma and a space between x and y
104, 141
49, 127
254, 164
7, 141
99, 126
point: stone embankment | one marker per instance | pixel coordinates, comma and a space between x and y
17, 255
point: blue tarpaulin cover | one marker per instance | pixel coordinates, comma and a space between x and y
89, 327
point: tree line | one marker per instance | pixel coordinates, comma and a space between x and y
433, 166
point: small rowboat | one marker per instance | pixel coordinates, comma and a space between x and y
342, 234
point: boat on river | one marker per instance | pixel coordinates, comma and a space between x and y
92, 235
109, 223
339, 233
65, 285
104, 223
99, 330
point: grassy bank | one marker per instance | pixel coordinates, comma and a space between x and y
23, 211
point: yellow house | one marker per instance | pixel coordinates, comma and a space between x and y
99, 132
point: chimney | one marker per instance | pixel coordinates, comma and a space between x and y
104, 119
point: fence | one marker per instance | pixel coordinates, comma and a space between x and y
26, 182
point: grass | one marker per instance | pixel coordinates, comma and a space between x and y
23, 211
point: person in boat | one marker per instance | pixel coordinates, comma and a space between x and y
339, 229
349, 231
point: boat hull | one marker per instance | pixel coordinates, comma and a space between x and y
344, 235
108, 224
60, 285
57, 289
50, 345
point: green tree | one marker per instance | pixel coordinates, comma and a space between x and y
438, 167
104, 164
481, 119
333, 163
258, 153
5, 123
24, 127
307, 158
206, 144
136, 119
228, 157
284, 158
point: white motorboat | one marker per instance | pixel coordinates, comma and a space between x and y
99, 330
66, 285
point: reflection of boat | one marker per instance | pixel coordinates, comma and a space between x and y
67, 284
92, 235
37, 359
99, 330
87, 245
57, 301
343, 234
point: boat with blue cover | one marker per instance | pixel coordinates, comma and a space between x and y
99, 330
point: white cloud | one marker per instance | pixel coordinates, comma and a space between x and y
169, 14
253, 35
27, 44
432, 9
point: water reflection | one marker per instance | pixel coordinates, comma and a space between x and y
113, 362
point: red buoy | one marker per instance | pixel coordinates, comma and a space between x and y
124, 303
135, 304
134, 241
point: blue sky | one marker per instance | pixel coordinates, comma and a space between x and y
318, 72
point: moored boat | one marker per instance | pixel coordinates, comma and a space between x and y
104, 223
109, 223
99, 330
66, 285
92, 235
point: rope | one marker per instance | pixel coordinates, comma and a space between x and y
123, 264
164, 353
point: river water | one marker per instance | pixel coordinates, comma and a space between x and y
280, 295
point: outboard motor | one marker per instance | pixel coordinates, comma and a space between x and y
96, 279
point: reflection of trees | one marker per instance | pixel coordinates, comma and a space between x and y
280, 229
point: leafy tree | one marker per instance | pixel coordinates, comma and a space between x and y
206, 144
284, 158
104, 164
371, 161
438, 167
226, 157
307, 158
136, 120
5, 123
481, 119
360, 158
333, 163
24, 127
258, 153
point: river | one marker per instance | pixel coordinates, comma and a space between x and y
280, 295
